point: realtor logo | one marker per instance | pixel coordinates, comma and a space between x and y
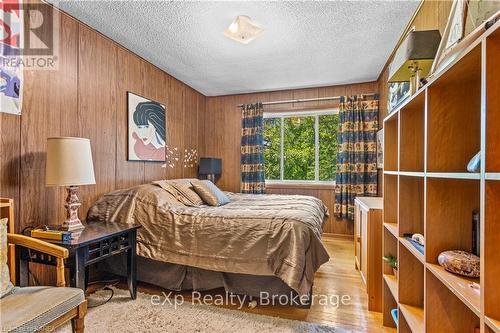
29, 37
30, 32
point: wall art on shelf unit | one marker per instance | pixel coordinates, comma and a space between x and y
397, 93
380, 149
147, 129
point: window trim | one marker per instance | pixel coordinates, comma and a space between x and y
306, 113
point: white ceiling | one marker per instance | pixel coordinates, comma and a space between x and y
305, 44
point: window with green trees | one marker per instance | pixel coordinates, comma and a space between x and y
301, 146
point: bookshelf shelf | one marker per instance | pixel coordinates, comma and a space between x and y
390, 199
412, 249
427, 190
391, 143
412, 124
492, 144
493, 324
460, 286
412, 174
414, 317
392, 228
392, 283
492, 176
454, 175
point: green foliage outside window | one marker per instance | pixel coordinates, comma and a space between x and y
328, 128
272, 147
299, 147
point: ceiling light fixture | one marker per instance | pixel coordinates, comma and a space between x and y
243, 30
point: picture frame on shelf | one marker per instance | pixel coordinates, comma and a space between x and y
380, 149
452, 35
397, 93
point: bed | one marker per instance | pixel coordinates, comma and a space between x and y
255, 243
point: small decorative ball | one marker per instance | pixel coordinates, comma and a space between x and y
460, 262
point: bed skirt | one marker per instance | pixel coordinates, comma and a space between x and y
179, 277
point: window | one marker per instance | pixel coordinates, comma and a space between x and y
301, 146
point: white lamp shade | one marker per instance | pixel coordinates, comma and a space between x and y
69, 162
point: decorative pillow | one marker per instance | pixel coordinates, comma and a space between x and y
5, 284
170, 189
187, 193
210, 193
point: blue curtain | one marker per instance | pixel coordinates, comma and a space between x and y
357, 153
252, 149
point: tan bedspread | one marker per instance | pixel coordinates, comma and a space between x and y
274, 235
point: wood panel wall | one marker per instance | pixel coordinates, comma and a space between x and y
86, 96
220, 128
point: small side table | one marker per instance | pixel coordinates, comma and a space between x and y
98, 241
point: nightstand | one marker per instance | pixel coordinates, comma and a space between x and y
97, 242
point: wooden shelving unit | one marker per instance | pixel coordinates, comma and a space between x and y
392, 228
414, 317
428, 143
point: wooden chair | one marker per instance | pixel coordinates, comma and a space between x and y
34, 309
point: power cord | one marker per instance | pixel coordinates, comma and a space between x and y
108, 284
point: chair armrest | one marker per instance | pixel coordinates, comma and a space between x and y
38, 245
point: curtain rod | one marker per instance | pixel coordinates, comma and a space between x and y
306, 100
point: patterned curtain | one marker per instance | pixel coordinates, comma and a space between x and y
252, 146
357, 154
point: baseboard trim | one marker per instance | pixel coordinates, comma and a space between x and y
338, 236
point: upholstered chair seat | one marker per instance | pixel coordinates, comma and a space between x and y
29, 309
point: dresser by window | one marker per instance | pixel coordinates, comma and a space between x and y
368, 247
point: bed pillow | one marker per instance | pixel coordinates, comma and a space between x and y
210, 193
187, 192
6, 286
170, 190
181, 192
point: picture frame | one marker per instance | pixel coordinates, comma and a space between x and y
452, 35
397, 93
147, 129
380, 149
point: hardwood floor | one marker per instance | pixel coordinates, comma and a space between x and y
337, 277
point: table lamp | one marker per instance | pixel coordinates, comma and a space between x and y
69, 163
414, 57
210, 167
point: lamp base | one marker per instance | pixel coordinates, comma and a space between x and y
72, 204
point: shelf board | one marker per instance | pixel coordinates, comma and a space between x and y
392, 228
3, 204
454, 175
492, 176
392, 283
391, 114
411, 174
492, 323
414, 317
460, 286
387, 172
412, 249
409, 100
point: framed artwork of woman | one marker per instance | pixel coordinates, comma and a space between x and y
147, 129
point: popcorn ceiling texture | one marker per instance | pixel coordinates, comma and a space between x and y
305, 44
